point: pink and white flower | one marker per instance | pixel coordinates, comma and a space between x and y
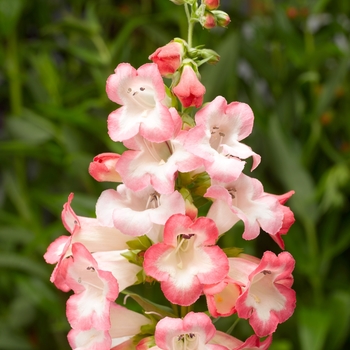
94, 290
222, 297
215, 138
187, 259
194, 331
232, 343
136, 213
142, 96
157, 164
189, 90
124, 325
267, 298
87, 231
245, 199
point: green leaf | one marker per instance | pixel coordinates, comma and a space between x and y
289, 170
10, 11
313, 325
339, 306
23, 263
31, 128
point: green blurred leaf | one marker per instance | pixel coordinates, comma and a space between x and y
289, 170
24, 264
10, 11
31, 128
313, 325
339, 306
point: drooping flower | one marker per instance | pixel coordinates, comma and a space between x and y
267, 298
245, 199
142, 96
189, 90
187, 259
168, 58
136, 213
216, 138
124, 325
89, 232
94, 290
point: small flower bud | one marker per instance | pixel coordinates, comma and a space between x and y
211, 56
208, 20
222, 18
168, 58
211, 4
103, 167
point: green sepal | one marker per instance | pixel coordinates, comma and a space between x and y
186, 194
140, 243
134, 257
233, 252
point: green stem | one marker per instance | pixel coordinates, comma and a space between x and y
190, 27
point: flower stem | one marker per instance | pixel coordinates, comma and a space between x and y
190, 27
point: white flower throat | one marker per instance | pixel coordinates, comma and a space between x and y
143, 96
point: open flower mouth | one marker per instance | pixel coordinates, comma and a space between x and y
142, 95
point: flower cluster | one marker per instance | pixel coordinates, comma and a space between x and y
148, 229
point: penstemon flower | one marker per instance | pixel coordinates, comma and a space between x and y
180, 186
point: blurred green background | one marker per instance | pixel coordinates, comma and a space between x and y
290, 60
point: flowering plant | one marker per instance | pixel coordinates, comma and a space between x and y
180, 154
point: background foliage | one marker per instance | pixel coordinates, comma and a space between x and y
288, 59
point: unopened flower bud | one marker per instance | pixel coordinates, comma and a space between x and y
210, 55
208, 20
168, 58
211, 4
103, 167
222, 18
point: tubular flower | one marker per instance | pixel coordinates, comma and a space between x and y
187, 259
94, 290
267, 298
232, 343
142, 94
193, 332
124, 324
87, 231
215, 138
157, 164
135, 213
245, 199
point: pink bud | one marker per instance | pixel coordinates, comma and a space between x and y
189, 90
168, 58
211, 4
103, 167
208, 20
